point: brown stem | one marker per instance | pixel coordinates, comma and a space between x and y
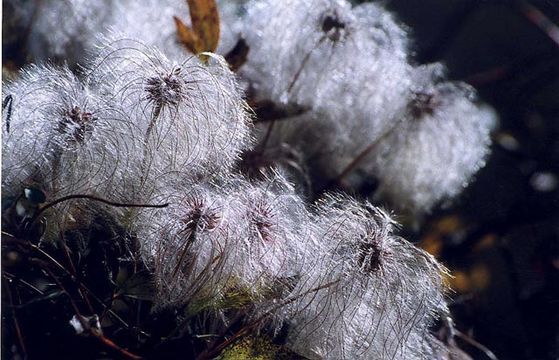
61, 286
362, 155
538, 18
189, 240
303, 64
290, 88
109, 343
353, 164
73, 271
151, 126
94, 198
53, 261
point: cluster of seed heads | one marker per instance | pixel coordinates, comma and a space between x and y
146, 122
365, 100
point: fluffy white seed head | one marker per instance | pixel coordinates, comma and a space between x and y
329, 57
64, 140
347, 66
187, 246
442, 140
65, 30
375, 290
62, 136
438, 139
191, 116
209, 244
271, 222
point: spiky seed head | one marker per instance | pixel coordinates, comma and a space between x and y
166, 90
76, 125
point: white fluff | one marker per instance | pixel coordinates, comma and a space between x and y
191, 117
349, 63
241, 238
64, 30
63, 137
67, 30
377, 293
442, 140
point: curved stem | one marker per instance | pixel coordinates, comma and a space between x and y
94, 198
477, 345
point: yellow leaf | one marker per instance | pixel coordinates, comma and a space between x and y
480, 276
486, 242
205, 23
460, 282
187, 37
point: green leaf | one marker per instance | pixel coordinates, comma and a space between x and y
139, 286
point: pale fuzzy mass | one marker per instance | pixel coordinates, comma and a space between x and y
144, 121
366, 108
331, 58
192, 118
442, 141
380, 292
347, 66
67, 30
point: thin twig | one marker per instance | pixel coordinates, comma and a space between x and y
290, 88
475, 344
73, 271
12, 277
94, 198
108, 342
304, 63
61, 286
538, 18
68, 273
355, 162
156, 112
98, 335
